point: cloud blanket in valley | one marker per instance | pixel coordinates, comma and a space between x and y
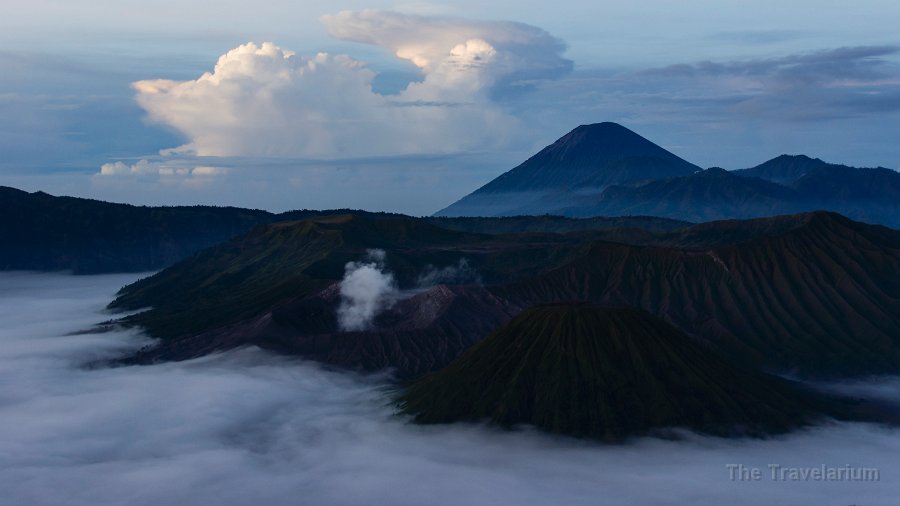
247, 427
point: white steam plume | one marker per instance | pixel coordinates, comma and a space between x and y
366, 290
459, 274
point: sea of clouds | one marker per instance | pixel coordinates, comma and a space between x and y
248, 428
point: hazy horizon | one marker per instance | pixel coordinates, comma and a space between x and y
407, 107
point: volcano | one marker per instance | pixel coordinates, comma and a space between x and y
605, 373
590, 157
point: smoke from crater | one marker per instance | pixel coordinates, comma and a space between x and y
458, 274
366, 290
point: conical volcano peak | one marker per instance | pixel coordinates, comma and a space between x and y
606, 373
602, 142
587, 159
605, 129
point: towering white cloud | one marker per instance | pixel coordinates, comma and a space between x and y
262, 100
446, 49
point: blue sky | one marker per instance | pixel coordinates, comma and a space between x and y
407, 106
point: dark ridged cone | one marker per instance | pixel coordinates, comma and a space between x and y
605, 373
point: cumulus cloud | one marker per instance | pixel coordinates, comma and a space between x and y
161, 169
246, 427
453, 52
263, 100
366, 290
167, 172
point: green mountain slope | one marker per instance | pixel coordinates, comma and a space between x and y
816, 294
281, 262
604, 373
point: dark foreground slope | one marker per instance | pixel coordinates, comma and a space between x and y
605, 373
815, 294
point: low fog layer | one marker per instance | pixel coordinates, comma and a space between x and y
249, 428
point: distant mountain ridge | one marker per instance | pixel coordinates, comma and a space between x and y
712, 194
43, 232
783, 168
607, 170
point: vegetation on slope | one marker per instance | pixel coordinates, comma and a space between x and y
814, 294
605, 373
43, 232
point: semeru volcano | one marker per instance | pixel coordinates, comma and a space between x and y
605, 373
589, 158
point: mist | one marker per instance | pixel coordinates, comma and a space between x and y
459, 273
247, 427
